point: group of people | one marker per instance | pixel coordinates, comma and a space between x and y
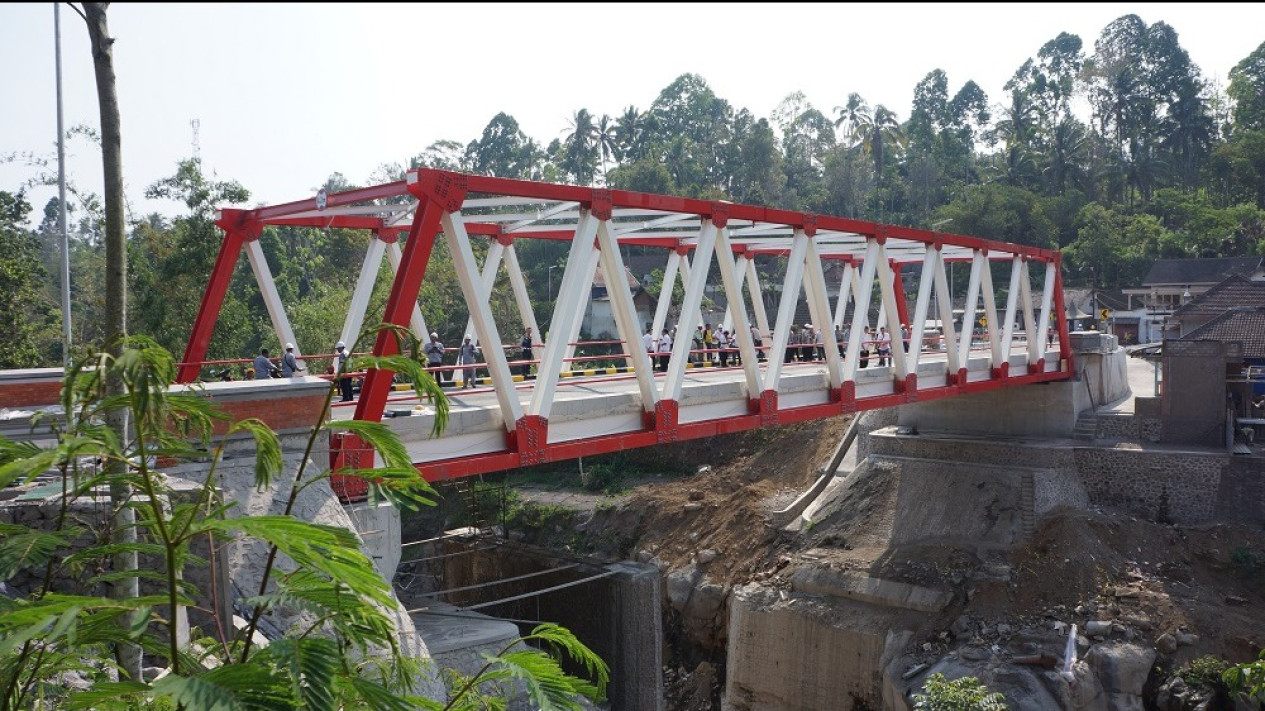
718, 347
288, 367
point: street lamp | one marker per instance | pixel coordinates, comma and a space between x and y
550, 273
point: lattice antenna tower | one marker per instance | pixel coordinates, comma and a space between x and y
197, 149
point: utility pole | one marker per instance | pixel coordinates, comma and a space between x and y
61, 197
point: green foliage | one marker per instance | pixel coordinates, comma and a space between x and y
1204, 671
1248, 562
344, 655
963, 694
1247, 679
23, 309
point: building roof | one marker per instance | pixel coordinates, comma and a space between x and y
1244, 325
1199, 271
1235, 290
599, 279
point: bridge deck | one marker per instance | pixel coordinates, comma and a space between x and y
598, 414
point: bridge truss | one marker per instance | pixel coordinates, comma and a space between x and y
698, 236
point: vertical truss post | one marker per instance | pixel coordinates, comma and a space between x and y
213, 301
990, 313
968, 313
416, 321
520, 292
1012, 300
891, 306
1035, 331
491, 264
268, 289
626, 314
944, 302
861, 308
917, 329
665, 293
566, 310
902, 305
732, 273
819, 308
690, 314
364, 289
1047, 297
1060, 312
403, 298
757, 299
845, 293
786, 309
477, 293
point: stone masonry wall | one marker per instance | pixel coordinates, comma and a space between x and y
1178, 487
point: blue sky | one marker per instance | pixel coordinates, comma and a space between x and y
287, 94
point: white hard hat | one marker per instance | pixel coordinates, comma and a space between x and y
338, 345
289, 346
467, 336
433, 334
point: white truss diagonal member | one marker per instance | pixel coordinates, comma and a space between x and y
416, 321
918, 328
786, 309
1035, 331
626, 315
740, 272
968, 312
690, 315
990, 312
566, 309
364, 289
845, 293
573, 336
519, 285
268, 289
861, 309
819, 307
491, 265
887, 289
731, 275
665, 295
464, 265
757, 301
1012, 300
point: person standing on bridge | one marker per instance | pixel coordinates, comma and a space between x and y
289, 364
434, 351
647, 341
665, 350
468, 355
758, 340
526, 355
884, 346
263, 365
341, 357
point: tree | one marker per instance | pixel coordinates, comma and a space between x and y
1247, 90
21, 273
503, 150
579, 157
1247, 679
345, 655
605, 140
962, 694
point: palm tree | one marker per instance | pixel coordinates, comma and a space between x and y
607, 145
579, 154
854, 116
873, 130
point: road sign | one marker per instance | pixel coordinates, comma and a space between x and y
1105, 313
983, 320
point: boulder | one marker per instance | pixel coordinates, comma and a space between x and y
1122, 669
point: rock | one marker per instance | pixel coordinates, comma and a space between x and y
680, 585
961, 627
1003, 629
1122, 669
913, 671
1235, 600
644, 556
705, 556
696, 495
1094, 628
1166, 644
974, 654
692, 506
1186, 639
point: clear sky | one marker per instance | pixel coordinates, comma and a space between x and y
288, 94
